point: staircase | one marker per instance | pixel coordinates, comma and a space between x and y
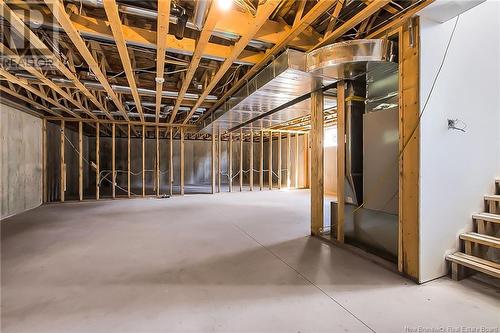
478, 244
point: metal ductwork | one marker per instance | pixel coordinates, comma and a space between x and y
282, 81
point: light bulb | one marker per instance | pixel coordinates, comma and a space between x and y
225, 4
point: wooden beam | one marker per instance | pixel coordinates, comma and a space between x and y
306, 160
270, 160
97, 159
365, 13
409, 161
115, 23
89, 26
334, 17
241, 159
128, 160
25, 85
314, 13
219, 161
171, 162
317, 159
80, 161
157, 161
143, 161
251, 161
212, 170
44, 160
182, 161
341, 131
279, 160
161, 45
288, 160
64, 20
62, 163
296, 160
113, 158
230, 162
21, 29
214, 15
261, 162
7, 53
27, 100
253, 26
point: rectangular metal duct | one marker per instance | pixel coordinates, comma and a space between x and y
283, 80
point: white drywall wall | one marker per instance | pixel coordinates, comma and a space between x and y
456, 168
20, 161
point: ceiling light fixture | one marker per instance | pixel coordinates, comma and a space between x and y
225, 4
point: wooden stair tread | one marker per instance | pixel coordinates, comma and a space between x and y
478, 264
495, 218
481, 239
492, 197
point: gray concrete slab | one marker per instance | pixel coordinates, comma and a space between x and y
230, 262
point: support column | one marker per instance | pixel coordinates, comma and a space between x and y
213, 160
128, 160
113, 152
97, 159
270, 161
230, 162
241, 160
340, 160
219, 160
288, 160
279, 160
80, 160
44, 160
171, 162
306, 160
261, 162
143, 161
157, 161
62, 164
317, 159
182, 161
251, 161
296, 160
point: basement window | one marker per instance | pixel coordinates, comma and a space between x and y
330, 139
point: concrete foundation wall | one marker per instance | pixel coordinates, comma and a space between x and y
20, 161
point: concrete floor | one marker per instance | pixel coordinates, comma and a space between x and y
239, 262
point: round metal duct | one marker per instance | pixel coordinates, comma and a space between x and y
347, 60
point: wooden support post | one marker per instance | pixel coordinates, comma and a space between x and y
296, 160
340, 160
317, 159
128, 160
288, 160
157, 161
113, 156
219, 160
251, 161
143, 161
409, 134
241, 159
182, 161
279, 160
213, 159
97, 159
306, 160
80, 160
230, 162
44, 160
261, 161
270, 160
62, 164
171, 162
